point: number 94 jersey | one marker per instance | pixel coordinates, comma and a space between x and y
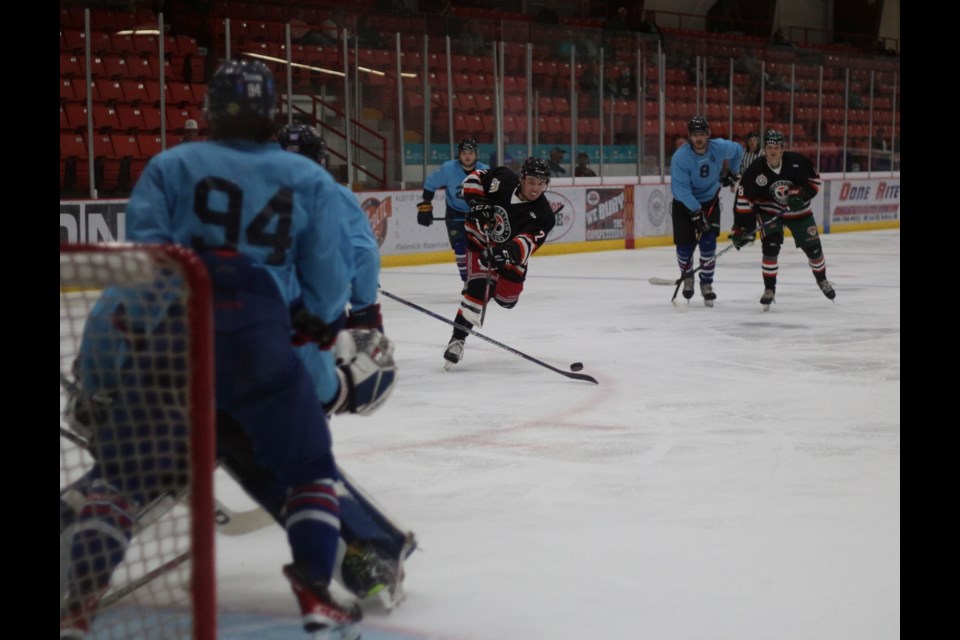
279, 209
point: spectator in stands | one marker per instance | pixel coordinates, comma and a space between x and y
328, 32
619, 21
548, 13
615, 26
627, 83
556, 157
582, 169
647, 23
191, 131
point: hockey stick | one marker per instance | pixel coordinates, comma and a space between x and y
413, 305
440, 219
121, 593
488, 278
229, 522
731, 246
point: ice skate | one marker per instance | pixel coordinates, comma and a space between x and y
767, 299
323, 616
706, 290
688, 287
453, 354
366, 571
827, 287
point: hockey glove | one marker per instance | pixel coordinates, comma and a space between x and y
309, 328
500, 254
795, 199
425, 214
729, 179
366, 370
367, 318
741, 237
481, 214
699, 220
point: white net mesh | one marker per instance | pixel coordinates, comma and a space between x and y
125, 446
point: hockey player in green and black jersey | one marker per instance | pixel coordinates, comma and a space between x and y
780, 184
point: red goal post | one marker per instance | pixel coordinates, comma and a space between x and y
166, 583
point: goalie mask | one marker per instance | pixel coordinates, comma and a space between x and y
241, 88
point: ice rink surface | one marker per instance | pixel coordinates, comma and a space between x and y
735, 474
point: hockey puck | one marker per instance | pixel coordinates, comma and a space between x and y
576, 366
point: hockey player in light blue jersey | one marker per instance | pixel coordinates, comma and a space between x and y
697, 171
450, 176
375, 545
360, 252
268, 225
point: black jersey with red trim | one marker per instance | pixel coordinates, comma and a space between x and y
514, 216
764, 189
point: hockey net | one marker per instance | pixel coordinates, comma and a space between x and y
164, 587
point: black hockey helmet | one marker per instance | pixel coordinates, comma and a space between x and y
773, 136
535, 168
698, 124
241, 88
302, 139
468, 144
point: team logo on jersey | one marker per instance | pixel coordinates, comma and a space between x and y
378, 212
779, 191
761, 180
501, 225
494, 185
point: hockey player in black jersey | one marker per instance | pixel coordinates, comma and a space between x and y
780, 184
509, 220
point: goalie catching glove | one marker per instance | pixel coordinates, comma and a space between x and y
500, 254
425, 214
366, 370
84, 412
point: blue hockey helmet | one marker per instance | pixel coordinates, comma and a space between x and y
302, 139
698, 124
241, 88
773, 136
535, 168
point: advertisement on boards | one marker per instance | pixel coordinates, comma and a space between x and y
864, 201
